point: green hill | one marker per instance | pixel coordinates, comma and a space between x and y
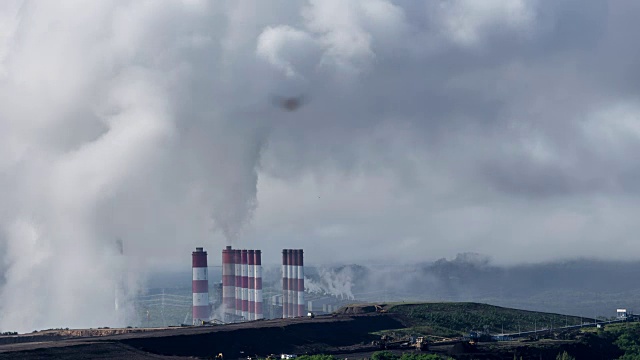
454, 319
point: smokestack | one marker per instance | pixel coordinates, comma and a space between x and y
300, 285
200, 286
242, 283
292, 285
258, 285
285, 283
237, 260
228, 281
251, 298
244, 260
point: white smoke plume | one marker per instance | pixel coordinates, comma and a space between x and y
100, 100
331, 281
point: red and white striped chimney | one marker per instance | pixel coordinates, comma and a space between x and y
251, 271
238, 271
258, 285
300, 285
285, 283
200, 287
292, 286
228, 281
292, 283
293, 263
245, 283
298, 294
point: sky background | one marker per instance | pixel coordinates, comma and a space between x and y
506, 128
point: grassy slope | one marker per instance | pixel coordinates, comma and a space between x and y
450, 319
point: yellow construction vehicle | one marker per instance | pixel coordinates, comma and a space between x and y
421, 343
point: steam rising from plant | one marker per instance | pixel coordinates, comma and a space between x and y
332, 281
109, 111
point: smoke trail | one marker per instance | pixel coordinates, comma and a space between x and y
109, 116
331, 281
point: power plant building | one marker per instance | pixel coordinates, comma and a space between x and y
242, 284
293, 304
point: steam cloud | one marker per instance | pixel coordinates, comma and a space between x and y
335, 282
471, 125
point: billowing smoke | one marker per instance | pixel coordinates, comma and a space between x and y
112, 111
429, 129
332, 281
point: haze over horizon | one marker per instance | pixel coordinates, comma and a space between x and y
430, 129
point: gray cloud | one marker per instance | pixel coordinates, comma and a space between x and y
431, 129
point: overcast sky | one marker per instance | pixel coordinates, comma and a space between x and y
508, 128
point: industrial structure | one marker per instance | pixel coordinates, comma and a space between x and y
293, 304
200, 287
242, 284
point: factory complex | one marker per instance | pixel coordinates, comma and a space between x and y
241, 287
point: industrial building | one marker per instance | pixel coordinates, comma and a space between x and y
293, 304
241, 284
240, 296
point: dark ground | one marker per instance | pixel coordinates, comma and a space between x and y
87, 350
344, 336
297, 336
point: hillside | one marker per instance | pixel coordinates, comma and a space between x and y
352, 332
452, 318
578, 287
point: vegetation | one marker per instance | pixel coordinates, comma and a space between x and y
316, 357
431, 332
629, 342
625, 336
564, 356
387, 355
621, 341
381, 355
464, 317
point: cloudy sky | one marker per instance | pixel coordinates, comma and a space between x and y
508, 128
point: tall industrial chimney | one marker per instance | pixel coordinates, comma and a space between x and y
228, 281
292, 283
200, 287
245, 283
285, 283
238, 266
242, 284
300, 285
258, 285
251, 291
